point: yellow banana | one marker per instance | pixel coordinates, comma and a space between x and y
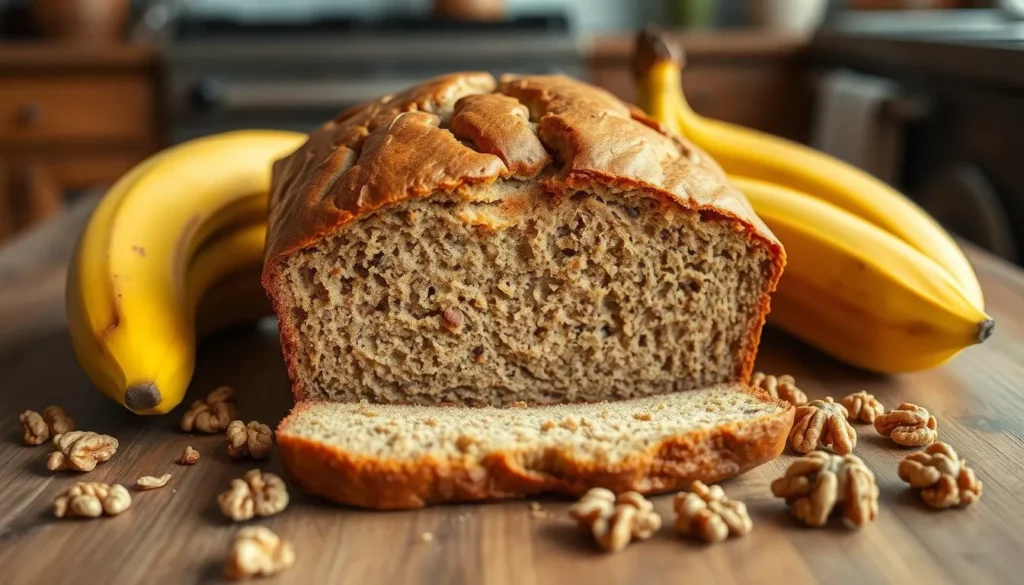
130, 315
223, 280
749, 153
859, 293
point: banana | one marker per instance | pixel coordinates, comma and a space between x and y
859, 293
223, 280
129, 309
749, 153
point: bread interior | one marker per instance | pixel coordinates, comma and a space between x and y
505, 293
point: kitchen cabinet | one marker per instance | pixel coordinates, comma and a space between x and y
752, 78
71, 117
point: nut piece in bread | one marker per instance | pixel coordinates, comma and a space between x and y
480, 241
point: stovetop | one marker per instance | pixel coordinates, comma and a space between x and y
327, 27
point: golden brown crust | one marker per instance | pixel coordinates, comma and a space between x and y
708, 455
464, 129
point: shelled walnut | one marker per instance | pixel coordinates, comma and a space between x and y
34, 428
942, 476
909, 425
212, 414
256, 494
819, 483
782, 387
862, 407
92, 500
57, 420
705, 513
615, 521
258, 552
249, 440
821, 424
80, 451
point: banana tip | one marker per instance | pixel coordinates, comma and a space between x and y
985, 329
652, 44
142, 396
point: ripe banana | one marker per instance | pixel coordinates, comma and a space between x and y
129, 309
223, 280
749, 153
859, 293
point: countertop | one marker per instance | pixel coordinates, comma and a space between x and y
176, 535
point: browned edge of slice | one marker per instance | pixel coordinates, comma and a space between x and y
709, 455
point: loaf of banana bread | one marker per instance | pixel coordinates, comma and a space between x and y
475, 241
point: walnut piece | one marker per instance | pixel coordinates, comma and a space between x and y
91, 500
819, 483
615, 521
862, 407
821, 424
189, 456
942, 476
35, 431
80, 450
212, 414
249, 440
258, 552
59, 421
782, 387
909, 425
705, 513
256, 494
148, 482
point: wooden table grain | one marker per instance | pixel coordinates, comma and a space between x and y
176, 535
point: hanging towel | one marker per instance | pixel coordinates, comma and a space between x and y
847, 124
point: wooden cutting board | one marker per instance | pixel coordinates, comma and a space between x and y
177, 535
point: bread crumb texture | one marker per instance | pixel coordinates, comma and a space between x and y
609, 432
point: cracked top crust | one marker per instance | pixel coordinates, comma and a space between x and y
465, 129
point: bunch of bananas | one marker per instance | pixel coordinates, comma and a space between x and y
173, 250
871, 279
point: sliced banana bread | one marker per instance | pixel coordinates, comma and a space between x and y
401, 456
478, 242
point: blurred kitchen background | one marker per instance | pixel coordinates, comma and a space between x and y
928, 95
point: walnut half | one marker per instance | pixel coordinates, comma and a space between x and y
822, 424
58, 420
256, 494
909, 425
91, 500
35, 431
212, 414
258, 552
80, 451
782, 387
615, 521
942, 476
249, 440
863, 407
705, 513
819, 483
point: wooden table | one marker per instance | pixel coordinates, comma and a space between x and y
176, 535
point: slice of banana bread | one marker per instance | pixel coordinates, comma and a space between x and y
401, 456
536, 239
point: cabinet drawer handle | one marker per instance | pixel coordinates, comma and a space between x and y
29, 115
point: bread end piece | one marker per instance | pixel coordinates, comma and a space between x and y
405, 457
